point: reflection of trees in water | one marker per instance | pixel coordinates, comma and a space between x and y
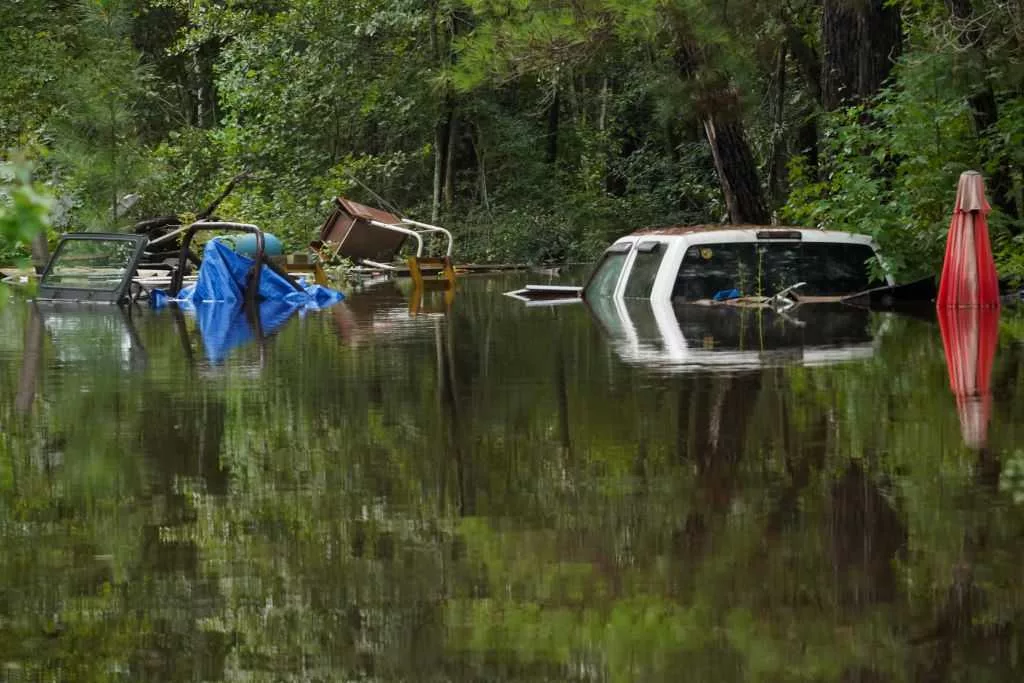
94, 583
183, 438
714, 417
866, 534
718, 415
32, 358
445, 509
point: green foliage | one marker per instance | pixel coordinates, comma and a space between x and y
1011, 480
169, 99
183, 172
892, 167
97, 140
513, 39
575, 228
36, 35
25, 208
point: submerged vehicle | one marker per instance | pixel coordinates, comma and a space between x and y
739, 265
95, 267
712, 263
234, 298
113, 268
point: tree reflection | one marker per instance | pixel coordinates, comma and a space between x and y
494, 495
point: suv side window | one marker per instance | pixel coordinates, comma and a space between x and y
645, 269
606, 275
838, 268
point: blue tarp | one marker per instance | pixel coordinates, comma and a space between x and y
217, 300
726, 295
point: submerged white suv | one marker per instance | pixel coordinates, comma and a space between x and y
714, 263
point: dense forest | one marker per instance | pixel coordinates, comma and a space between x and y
536, 130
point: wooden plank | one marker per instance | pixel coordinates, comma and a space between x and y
403, 271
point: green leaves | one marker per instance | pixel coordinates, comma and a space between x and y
25, 206
512, 40
1011, 480
891, 165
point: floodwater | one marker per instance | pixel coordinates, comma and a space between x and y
510, 493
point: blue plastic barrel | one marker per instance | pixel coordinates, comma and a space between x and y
245, 244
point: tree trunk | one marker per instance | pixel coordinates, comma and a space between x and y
882, 32
777, 167
449, 159
552, 136
40, 252
204, 84
866, 534
807, 60
448, 397
840, 54
440, 154
32, 361
737, 170
481, 168
807, 142
602, 114
808, 63
442, 56
198, 92
713, 420
860, 44
719, 106
562, 394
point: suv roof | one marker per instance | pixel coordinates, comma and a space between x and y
749, 232
685, 229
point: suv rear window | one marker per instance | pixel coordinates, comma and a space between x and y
708, 269
764, 268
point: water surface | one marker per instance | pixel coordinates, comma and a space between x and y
503, 492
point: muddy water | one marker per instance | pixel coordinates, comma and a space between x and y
508, 493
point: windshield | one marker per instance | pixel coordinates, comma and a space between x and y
99, 265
